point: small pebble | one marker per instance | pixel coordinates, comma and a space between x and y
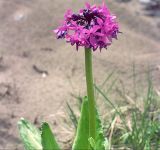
44, 75
3, 89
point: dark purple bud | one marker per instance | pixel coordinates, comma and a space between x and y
61, 34
76, 17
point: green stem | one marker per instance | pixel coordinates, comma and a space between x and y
90, 93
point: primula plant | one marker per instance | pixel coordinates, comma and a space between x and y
92, 28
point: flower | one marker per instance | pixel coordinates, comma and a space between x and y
93, 27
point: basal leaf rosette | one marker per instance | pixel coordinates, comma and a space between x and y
93, 27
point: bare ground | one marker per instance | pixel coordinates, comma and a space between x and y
38, 73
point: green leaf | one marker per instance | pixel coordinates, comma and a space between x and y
92, 143
48, 139
82, 140
101, 142
30, 135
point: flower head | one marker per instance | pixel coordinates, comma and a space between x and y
93, 27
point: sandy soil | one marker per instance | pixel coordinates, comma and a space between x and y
39, 73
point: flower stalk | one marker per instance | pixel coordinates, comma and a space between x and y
90, 93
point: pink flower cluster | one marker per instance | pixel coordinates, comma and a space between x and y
93, 27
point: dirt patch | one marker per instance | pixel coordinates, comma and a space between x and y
8, 93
